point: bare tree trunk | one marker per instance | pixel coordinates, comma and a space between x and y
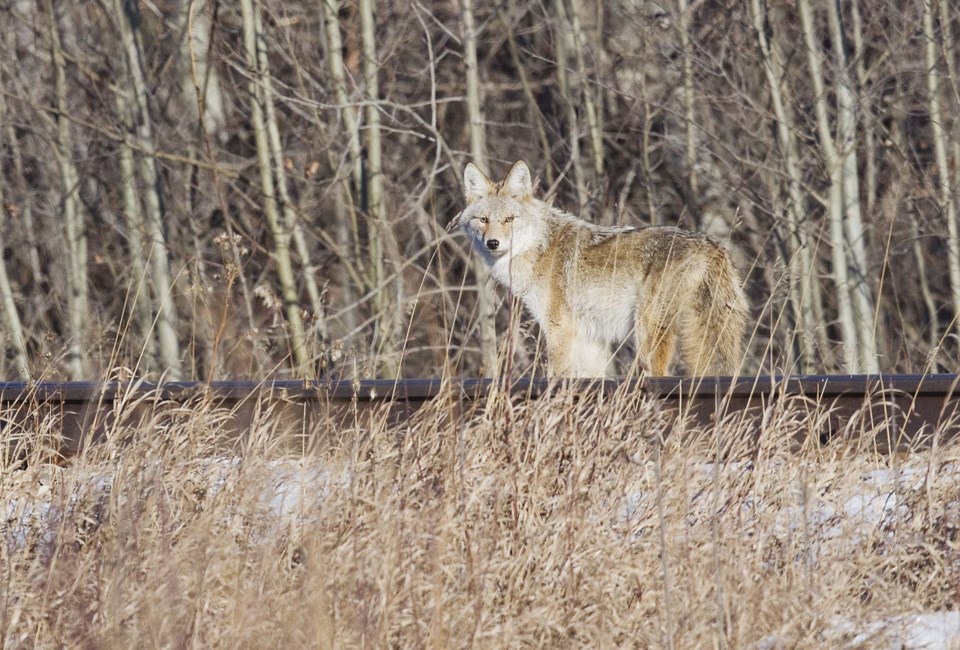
290, 220
77, 293
385, 317
863, 308
689, 110
646, 144
129, 20
348, 231
207, 96
200, 84
8, 306
486, 303
253, 40
899, 140
947, 203
348, 114
803, 293
933, 328
949, 56
24, 15
135, 234
869, 134
839, 258
33, 248
11, 322
589, 103
563, 46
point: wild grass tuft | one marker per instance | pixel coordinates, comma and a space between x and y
572, 520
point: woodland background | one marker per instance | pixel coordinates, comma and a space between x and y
211, 190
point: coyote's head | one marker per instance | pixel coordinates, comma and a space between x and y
500, 218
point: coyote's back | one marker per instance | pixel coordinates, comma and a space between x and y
590, 286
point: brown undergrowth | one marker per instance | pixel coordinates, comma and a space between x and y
573, 520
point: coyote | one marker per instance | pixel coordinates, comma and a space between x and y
589, 286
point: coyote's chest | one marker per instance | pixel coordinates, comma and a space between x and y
551, 285
521, 275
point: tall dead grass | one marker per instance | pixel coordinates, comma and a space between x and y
572, 520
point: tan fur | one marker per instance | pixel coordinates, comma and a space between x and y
590, 286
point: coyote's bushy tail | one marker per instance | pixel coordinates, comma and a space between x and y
714, 324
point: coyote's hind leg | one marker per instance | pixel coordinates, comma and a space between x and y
656, 347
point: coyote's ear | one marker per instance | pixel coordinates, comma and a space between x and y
519, 183
476, 185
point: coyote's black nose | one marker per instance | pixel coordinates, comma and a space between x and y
493, 244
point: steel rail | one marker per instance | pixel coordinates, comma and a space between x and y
900, 411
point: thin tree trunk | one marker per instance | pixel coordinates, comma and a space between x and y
385, 316
128, 17
26, 212
486, 304
335, 65
839, 258
689, 110
203, 97
589, 103
252, 40
208, 94
947, 203
8, 306
646, 144
77, 293
802, 281
933, 327
200, 82
898, 139
40, 318
11, 322
23, 16
863, 307
135, 233
348, 232
290, 220
563, 46
869, 133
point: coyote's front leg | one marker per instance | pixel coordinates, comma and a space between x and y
572, 353
559, 333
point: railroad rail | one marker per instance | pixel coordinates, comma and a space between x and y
899, 411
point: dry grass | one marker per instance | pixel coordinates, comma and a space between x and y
559, 522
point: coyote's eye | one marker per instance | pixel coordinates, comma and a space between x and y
484, 220
511, 218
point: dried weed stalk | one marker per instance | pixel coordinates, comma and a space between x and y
571, 520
